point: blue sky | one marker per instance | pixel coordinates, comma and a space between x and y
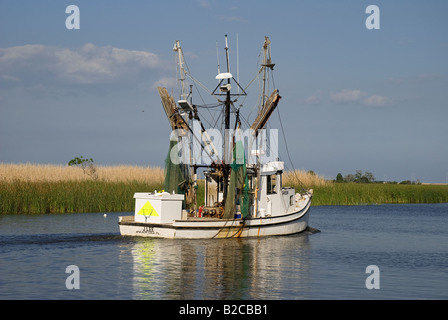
352, 98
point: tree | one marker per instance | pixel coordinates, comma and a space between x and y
87, 166
339, 178
360, 177
349, 178
368, 177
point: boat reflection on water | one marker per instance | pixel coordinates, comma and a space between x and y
266, 268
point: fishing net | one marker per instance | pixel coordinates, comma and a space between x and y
238, 191
176, 174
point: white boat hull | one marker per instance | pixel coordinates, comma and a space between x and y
207, 228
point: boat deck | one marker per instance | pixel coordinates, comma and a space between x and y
130, 219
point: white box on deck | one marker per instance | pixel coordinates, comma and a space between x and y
158, 207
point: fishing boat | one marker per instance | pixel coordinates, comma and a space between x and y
243, 191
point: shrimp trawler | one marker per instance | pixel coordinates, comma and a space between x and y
243, 192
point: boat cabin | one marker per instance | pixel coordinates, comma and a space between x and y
272, 198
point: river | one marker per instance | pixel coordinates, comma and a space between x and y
82, 256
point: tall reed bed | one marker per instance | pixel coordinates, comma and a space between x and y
331, 193
373, 193
303, 178
48, 172
32, 197
34, 189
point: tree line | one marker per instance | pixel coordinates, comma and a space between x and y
367, 177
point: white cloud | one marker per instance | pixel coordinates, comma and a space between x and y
204, 3
8, 77
312, 100
347, 96
88, 64
378, 101
357, 96
20, 53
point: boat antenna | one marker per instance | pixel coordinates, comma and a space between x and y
217, 56
237, 64
227, 55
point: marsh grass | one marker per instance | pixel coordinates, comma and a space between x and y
373, 193
331, 193
36, 189
28, 197
299, 178
53, 173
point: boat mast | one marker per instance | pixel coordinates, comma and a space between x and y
186, 105
223, 89
264, 113
177, 48
227, 150
227, 102
267, 63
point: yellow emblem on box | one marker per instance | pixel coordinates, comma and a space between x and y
148, 210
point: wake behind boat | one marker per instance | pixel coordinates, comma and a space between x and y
244, 196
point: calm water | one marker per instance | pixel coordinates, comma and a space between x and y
408, 243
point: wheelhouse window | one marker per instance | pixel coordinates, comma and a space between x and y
272, 184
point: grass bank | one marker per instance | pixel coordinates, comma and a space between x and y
36, 189
35, 197
373, 193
